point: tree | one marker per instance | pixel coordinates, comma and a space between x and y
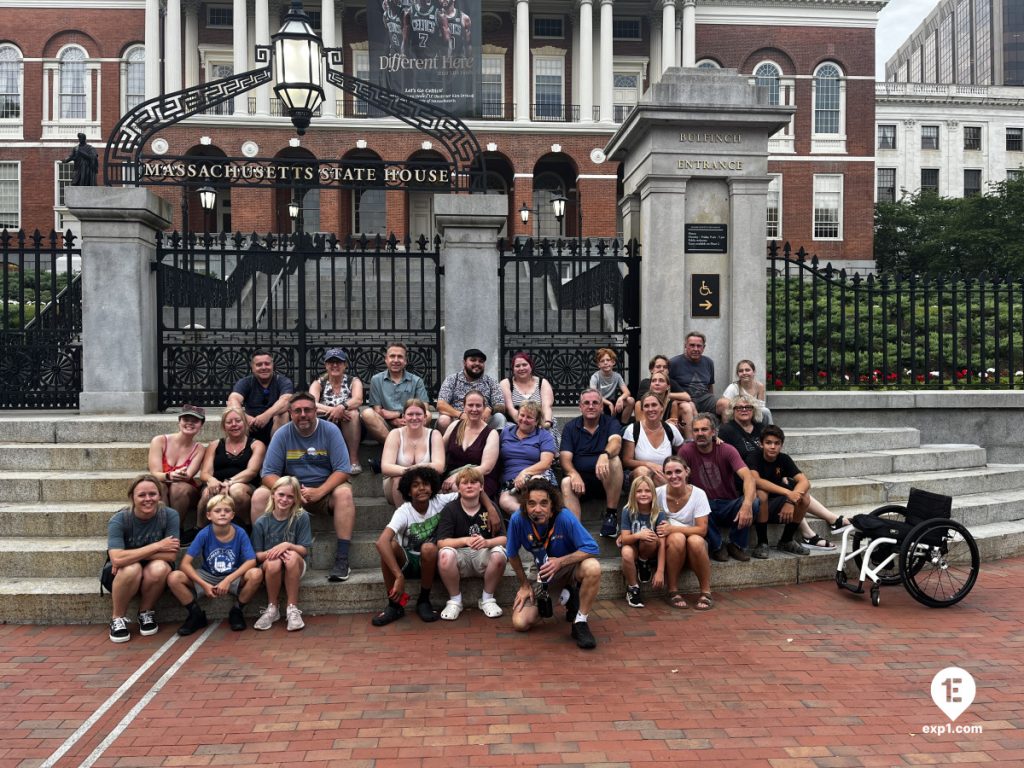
929, 235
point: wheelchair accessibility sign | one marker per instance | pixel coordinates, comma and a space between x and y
953, 692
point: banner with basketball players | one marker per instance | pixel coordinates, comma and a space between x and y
428, 49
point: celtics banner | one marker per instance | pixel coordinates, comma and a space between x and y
428, 49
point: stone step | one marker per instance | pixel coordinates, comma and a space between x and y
827, 440
88, 457
853, 491
76, 600
921, 459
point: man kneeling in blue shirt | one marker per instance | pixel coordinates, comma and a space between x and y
566, 556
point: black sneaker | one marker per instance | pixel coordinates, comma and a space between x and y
392, 612
374, 465
119, 632
236, 619
572, 605
583, 636
609, 529
426, 611
633, 597
187, 537
340, 571
643, 571
195, 621
147, 623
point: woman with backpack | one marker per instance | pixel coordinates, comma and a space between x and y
648, 442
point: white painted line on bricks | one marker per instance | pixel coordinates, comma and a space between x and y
75, 737
150, 694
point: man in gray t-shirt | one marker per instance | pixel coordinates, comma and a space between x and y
693, 373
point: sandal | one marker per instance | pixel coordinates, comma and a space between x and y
676, 600
392, 612
840, 523
705, 602
817, 542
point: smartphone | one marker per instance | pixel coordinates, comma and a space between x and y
403, 599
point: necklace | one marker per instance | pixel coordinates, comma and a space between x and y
680, 502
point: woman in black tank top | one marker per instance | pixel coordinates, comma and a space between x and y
231, 466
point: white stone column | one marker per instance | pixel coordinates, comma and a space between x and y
607, 63
152, 30
120, 368
689, 47
668, 34
585, 80
172, 47
747, 321
239, 44
262, 24
662, 222
327, 31
655, 49
679, 41
191, 44
521, 61
469, 226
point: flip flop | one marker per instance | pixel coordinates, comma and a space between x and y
676, 600
818, 542
705, 602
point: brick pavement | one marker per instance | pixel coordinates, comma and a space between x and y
789, 677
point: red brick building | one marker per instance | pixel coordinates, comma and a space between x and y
557, 78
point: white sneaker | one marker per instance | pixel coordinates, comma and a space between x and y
295, 621
267, 618
357, 469
490, 608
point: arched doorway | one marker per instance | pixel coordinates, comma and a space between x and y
420, 195
195, 218
307, 196
554, 175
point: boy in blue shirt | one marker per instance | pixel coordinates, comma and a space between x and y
225, 555
566, 557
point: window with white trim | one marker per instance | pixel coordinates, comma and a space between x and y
885, 185
548, 87
828, 207
361, 69
62, 176
766, 76
929, 137
1012, 174
10, 195
133, 87
369, 211
930, 180
773, 219
72, 96
708, 64
829, 115
972, 137
492, 85
11, 79
1014, 139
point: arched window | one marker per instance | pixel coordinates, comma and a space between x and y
546, 187
827, 100
767, 76
708, 64
72, 84
134, 77
828, 134
10, 83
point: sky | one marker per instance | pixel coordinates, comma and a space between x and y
895, 23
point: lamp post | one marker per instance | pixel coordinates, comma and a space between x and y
208, 199
558, 203
298, 66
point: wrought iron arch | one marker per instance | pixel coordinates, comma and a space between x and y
125, 146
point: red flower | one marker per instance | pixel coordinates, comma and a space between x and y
920, 378
891, 377
779, 384
961, 374
822, 374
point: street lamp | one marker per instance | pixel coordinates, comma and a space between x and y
208, 199
524, 214
298, 67
558, 207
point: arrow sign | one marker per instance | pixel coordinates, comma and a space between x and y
705, 295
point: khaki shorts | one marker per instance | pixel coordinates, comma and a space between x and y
473, 562
322, 507
564, 577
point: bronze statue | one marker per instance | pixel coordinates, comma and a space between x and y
86, 164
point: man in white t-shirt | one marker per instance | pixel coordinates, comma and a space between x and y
406, 545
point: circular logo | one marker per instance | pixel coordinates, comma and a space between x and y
159, 146
597, 155
250, 148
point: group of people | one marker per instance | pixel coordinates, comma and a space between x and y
470, 492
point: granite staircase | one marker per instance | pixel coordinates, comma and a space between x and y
62, 476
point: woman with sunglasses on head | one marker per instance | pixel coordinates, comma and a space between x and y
742, 425
746, 383
338, 397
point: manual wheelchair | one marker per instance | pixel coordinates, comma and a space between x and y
935, 558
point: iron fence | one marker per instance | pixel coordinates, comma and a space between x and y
561, 300
221, 297
831, 330
40, 320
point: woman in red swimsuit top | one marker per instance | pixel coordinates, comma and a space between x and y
175, 460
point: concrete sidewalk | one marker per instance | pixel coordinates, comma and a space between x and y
798, 676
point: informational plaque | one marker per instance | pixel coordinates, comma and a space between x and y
706, 238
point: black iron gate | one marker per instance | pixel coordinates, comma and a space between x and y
40, 321
221, 297
561, 300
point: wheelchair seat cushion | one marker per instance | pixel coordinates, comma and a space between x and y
878, 527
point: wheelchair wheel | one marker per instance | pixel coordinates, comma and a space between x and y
891, 575
939, 563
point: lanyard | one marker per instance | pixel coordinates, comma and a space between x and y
547, 539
